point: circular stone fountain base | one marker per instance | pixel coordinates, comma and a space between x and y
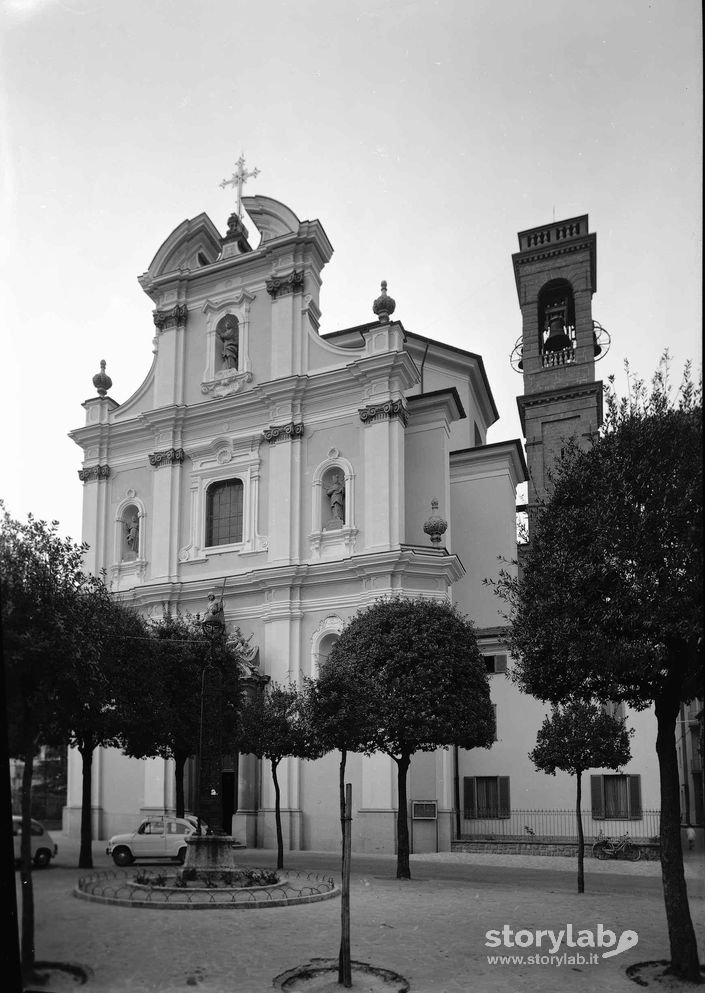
122, 888
321, 976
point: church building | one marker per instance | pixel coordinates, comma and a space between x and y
300, 476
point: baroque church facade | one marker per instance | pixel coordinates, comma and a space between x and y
300, 476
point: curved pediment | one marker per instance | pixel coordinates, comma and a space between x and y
193, 244
271, 218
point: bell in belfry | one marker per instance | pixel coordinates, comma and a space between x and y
558, 338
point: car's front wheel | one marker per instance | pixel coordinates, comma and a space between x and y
122, 856
42, 857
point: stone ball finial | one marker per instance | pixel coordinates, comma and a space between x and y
384, 306
435, 527
102, 380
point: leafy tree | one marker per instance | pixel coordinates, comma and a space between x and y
338, 712
608, 605
273, 725
420, 684
110, 638
575, 737
41, 577
186, 673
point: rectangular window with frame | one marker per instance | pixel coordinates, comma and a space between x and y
486, 797
616, 797
224, 513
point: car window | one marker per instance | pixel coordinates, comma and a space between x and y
175, 827
152, 827
37, 829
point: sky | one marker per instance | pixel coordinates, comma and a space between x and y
422, 134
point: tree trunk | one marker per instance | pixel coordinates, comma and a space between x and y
10, 959
344, 965
180, 760
343, 759
403, 869
27, 945
684, 950
581, 836
278, 816
85, 855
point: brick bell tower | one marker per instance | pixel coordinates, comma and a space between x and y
556, 275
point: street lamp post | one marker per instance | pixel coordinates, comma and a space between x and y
209, 760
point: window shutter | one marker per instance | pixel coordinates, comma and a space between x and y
503, 796
635, 797
500, 663
596, 799
469, 804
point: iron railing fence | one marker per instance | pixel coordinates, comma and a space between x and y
558, 825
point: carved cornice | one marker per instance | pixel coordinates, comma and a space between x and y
284, 432
170, 456
558, 395
279, 286
384, 411
538, 254
94, 472
174, 318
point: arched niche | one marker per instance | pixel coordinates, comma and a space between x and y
129, 536
333, 529
322, 641
332, 484
227, 332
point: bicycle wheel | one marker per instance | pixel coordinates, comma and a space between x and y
599, 850
632, 852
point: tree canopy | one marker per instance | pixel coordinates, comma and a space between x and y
609, 600
405, 676
183, 672
608, 603
579, 736
575, 737
274, 724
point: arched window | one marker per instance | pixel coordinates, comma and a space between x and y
224, 513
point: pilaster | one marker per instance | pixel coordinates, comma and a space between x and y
166, 512
284, 490
383, 485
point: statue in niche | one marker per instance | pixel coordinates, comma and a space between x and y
228, 332
335, 491
132, 533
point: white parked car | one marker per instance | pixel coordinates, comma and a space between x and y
44, 848
156, 838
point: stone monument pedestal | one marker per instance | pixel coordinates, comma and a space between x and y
211, 852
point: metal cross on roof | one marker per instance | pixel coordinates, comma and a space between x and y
238, 179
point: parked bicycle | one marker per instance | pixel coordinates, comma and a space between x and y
614, 848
